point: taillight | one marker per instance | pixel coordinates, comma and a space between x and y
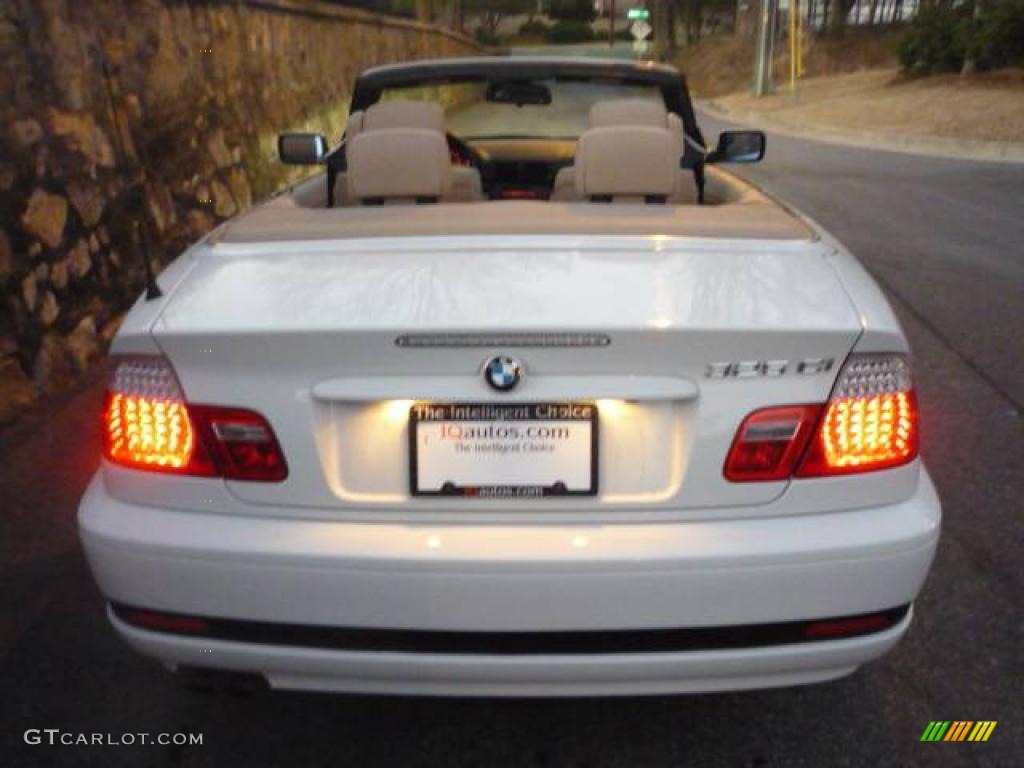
770, 442
242, 442
869, 423
148, 425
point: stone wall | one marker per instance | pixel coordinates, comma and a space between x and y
134, 126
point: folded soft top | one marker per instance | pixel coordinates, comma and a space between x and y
282, 219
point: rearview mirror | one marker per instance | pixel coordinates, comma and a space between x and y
302, 148
739, 147
519, 92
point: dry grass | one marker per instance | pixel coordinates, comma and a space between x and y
981, 107
724, 64
852, 83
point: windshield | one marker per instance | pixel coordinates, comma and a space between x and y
470, 114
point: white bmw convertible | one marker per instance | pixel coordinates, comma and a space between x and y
521, 395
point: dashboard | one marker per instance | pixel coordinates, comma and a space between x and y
521, 169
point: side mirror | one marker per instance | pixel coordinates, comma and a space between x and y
739, 147
302, 148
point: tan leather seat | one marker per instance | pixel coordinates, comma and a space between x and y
397, 165
398, 113
604, 114
463, 184
635, 113
626, 163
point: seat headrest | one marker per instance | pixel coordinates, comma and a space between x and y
404, 114
634, 161
628, 112
398, 163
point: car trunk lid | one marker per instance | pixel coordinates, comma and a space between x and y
675, 339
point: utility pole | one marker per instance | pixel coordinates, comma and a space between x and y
793, 22
611, 24
765, 43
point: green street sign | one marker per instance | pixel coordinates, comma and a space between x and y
638, 14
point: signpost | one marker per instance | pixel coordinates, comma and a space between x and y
640, 30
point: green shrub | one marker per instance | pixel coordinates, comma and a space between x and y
572, 10
941, 38
998, 36
484, 37
934, 41
533, 28
567, 31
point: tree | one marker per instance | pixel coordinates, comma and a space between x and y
491, 12
839, 10
692, 14
970, 63
661, 20
572, 10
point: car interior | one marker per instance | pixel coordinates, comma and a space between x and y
398, 152
399, 171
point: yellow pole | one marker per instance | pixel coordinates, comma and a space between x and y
799, 41
792, 45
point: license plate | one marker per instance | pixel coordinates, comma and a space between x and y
515, 450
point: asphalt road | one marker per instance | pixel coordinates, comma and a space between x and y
945, 238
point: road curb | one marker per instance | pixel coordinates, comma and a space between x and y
927, 146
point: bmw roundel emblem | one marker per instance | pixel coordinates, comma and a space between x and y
503, 372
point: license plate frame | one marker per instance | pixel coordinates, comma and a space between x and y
504, 413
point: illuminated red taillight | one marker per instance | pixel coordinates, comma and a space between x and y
869, 423
148, 425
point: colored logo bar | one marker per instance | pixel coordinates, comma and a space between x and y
958, 730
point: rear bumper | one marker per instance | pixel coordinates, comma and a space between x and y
529, 675
513, 579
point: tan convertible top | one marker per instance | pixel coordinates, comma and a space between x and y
744, 213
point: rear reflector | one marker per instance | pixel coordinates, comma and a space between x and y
168, 622
858, 625
148, 425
